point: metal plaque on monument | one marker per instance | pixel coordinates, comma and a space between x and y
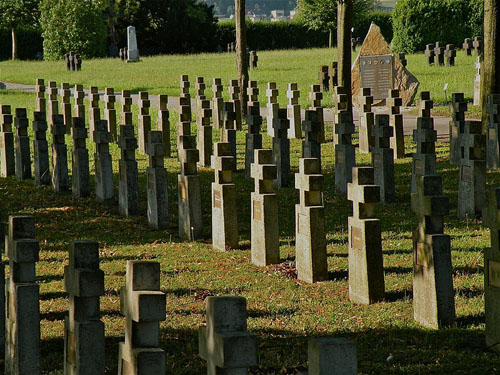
377, 73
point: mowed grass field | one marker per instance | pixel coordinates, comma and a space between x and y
283, 312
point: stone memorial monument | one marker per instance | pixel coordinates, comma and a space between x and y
132, 51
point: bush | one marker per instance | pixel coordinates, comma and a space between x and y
72, 25
381, 18
420, 22
29, 42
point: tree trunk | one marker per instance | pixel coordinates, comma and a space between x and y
344, 26
490, 80
14, 42
241, 52
330, 39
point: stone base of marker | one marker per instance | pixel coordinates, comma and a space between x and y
328, 355
366, 140
310, 244
104, 187
157, 198
252, 142
151, 360
423, 164
383, 164
190, 216
229, 136
81, 176
224, 219
60, 168
471, 189
281, 158
128, 188
7, 161
265, 229
345, 161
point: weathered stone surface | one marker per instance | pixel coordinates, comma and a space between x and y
367, 121
81, 176
293, 108
22, 145
253, 139
493, 132
458, 107
59, 155
404, 81
157, 190
104, 185
383, 158
40, 149
332, 356
133, 51
7, 153
128, 185
281, 149
163, 123
345, 157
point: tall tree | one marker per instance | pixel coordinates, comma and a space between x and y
344, 32
241, 52
490, 69
17, 13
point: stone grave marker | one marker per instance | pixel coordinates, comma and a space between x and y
163, 123
316, 96
272, 106
458, 108
94, 110
185, 85
253, 139
22, 323
110, 112
66, 106
478, 46
493, 132
185, 118
41, 102
265, 240
477, 83
429, 54
467, 46
132, 51
383, 158
224, 211
126, 118
205, 141
402, 58
340, 100
79, 95
328, 355
425, 137
144, 120
311, 145
439, 53
78, 63
83, 328
281, 149
200, 89
293, 108
40, 149
157, 191
310, 243
22, 145
229, 128
217, 102
53, 102
104, 187
144, 305
128, 186
189, 191
450, 54
333, 74
59, 155
81, 175
224, 343
472, 176
68, 62
7, 151
367, 121
345, 157
324, 78
433, 295
394, 103
366, 266
234, 97
254, 60
378, 68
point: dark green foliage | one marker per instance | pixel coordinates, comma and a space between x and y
29, 42
168, 26
226, 7
72, 25
419, 22
380, 18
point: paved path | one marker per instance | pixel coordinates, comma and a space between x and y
441, 124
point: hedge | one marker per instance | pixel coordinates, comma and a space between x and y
29, 44
420, 22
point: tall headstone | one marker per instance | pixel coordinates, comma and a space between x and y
144, 305
367, 121
472, 176
128, 186
104, 187
439, 53
163, 123
272, 106
79, 95
265, 239
144, 121
366, 266
328, 355
345, 157
253, 139
205, 141
66, 106
310, 248
234, 97
189, 191
7, 152
22, 145
383, 158
493, 132
281, 149
424, 159
60, 181
311, 145
316, 96
110, 112
293, 108
41, 102
433, 295
83, 328
94, 110
22, 295
224, 342
224, 209
40, 149
81, 175
157, 191
394, 103
229, 128
458, 108
217, 102
132, 50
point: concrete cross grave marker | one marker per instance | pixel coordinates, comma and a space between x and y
367, 121
53, 102
79, 96
81, 176
467, 46
185, 85
40, 149
217, 102
272, 106
429, 54
253, 139
205, 141
94, 111
340, 101
41, 102
144, 120
22, 145
477, 82
293, 108
450, 54
333, 74
234, 97
128, 185
478, 46
110, 112
229, 128
185, 118
324, 78
311, 145
345, 157
104, 187
254, 60
163, 123
366, 268
126, 118
7, 150
493, 132
439, 53
281, 149
394, 102
316, 96
157, 191
59, 155
66, 106
383, 158
458, 108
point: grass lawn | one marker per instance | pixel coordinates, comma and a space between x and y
160, 74
282, 311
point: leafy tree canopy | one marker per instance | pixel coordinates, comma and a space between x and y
15, 13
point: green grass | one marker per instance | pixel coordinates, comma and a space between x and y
283, 312
160, 74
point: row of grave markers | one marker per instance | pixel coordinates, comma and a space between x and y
438, 53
